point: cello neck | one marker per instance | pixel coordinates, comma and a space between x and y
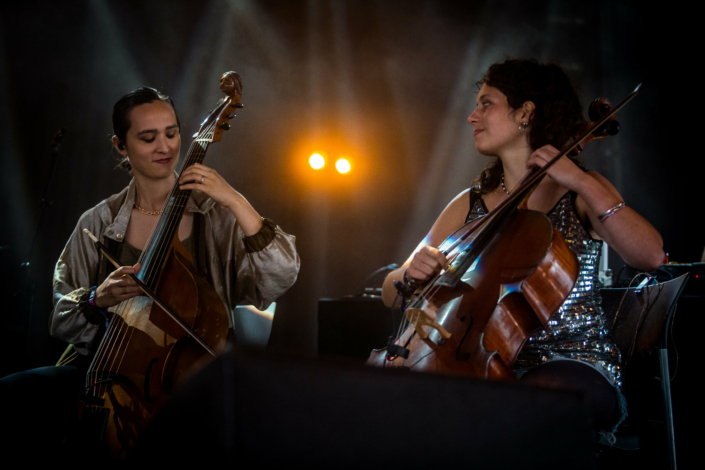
157, 248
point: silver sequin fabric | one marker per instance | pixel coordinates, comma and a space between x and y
578, 330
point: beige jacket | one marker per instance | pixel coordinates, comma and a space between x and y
238, 277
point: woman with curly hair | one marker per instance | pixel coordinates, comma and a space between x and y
526, 111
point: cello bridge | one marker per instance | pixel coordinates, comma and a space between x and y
419, 318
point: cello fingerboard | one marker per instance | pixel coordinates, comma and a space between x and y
157, 249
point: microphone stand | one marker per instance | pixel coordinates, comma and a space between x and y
29, 287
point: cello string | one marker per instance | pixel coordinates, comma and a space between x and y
121, 336
94, 361
528, 182
173, 216
534, 175
157, 226
431, 287
108, 343
105, 346
113, 339
125, 328
100, 352
124, 350
160, 227
173, 219
197, 150
95, 368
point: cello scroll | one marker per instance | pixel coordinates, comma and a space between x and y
599, 107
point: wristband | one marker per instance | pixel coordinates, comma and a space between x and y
91, 301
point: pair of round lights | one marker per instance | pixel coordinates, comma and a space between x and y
317, 162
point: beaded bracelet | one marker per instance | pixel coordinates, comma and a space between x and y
610, 212
91, 301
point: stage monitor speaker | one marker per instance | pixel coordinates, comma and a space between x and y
249, 410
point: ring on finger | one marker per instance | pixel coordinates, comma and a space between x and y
203, 178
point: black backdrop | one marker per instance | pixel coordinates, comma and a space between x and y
389, 83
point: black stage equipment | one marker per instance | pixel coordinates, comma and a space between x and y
249, 409
352, 326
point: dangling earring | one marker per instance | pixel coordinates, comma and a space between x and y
522, 128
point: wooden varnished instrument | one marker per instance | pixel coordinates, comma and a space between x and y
507, 273
145, 353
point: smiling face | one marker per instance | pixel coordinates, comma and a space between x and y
496, 123
153, 140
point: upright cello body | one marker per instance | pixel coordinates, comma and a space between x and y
145, 353
507, 273
521, 277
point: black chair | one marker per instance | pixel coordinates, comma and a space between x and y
640, 323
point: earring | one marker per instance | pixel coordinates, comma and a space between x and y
522, 128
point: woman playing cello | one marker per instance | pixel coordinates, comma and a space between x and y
248, 258
245, 258
525, 112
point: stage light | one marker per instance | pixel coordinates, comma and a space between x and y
317, 161
342, 165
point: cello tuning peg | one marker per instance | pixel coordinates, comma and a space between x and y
231, 115
608, 128
239, 105
225, 126
598, 108
611, 127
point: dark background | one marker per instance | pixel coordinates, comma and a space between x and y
388, 83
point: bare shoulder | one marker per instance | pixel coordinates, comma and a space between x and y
452, 217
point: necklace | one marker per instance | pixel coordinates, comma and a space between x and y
503, 187
160, 212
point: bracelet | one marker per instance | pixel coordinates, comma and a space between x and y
91, 301
406, 288
86, 305
610, 212
409, 282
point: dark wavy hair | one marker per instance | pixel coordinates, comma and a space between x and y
558, 114
121, 116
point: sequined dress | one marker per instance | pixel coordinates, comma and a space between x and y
578, 330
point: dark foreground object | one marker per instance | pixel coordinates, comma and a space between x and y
245, 409
38, 407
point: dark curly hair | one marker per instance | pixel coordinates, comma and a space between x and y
558, 113
121, 116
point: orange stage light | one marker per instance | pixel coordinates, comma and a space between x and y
317, 161
342, 165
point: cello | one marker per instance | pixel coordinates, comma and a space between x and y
507, 273
152, 343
